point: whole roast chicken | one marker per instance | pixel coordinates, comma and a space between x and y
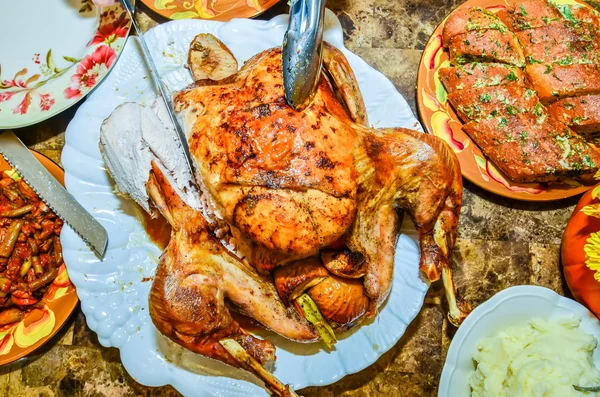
283, 203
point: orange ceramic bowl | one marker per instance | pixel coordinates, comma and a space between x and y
40, 325
438, 118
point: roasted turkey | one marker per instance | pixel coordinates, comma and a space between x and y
283, 202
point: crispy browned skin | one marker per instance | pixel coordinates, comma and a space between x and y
480, 74
582, 113
392, 162
344, 263
291, 181
195, 275
477, 34
290, 190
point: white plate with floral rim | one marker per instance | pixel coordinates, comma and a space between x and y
114, 294
52, 53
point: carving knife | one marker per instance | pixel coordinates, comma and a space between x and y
164, 93
302, 51
61, 202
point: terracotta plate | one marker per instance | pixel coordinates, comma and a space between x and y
438, 118
209, 9
38, 326
52, 53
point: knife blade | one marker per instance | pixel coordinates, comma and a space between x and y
161, 87
56, 197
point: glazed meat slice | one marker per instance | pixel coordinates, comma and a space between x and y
582, 113
559, 81
489, 45
469, 19
530, 14
473, 104
479, 74
531, 147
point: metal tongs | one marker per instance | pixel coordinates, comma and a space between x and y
303, 51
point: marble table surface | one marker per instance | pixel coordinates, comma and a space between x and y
500, 242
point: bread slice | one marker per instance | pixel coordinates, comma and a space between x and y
480, 74
557, 81
489, 45
581, 113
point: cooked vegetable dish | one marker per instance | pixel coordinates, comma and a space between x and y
30, 248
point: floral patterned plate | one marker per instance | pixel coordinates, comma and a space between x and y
223, 10
438, 118
53, 56
38, 326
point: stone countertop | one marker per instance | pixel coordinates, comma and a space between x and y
500, 242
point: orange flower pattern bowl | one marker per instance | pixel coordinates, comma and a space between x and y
223, 10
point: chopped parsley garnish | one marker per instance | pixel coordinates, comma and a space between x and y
511, 76
511, 110
578, 120
568, 105
588, 161
524, 135
503, 122
497, 26
467, 110
532, 60
568, 60
485, 98
538, 110
548, 69
523, 10
565, 11
529, 93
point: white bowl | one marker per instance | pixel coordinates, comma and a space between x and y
512, 306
